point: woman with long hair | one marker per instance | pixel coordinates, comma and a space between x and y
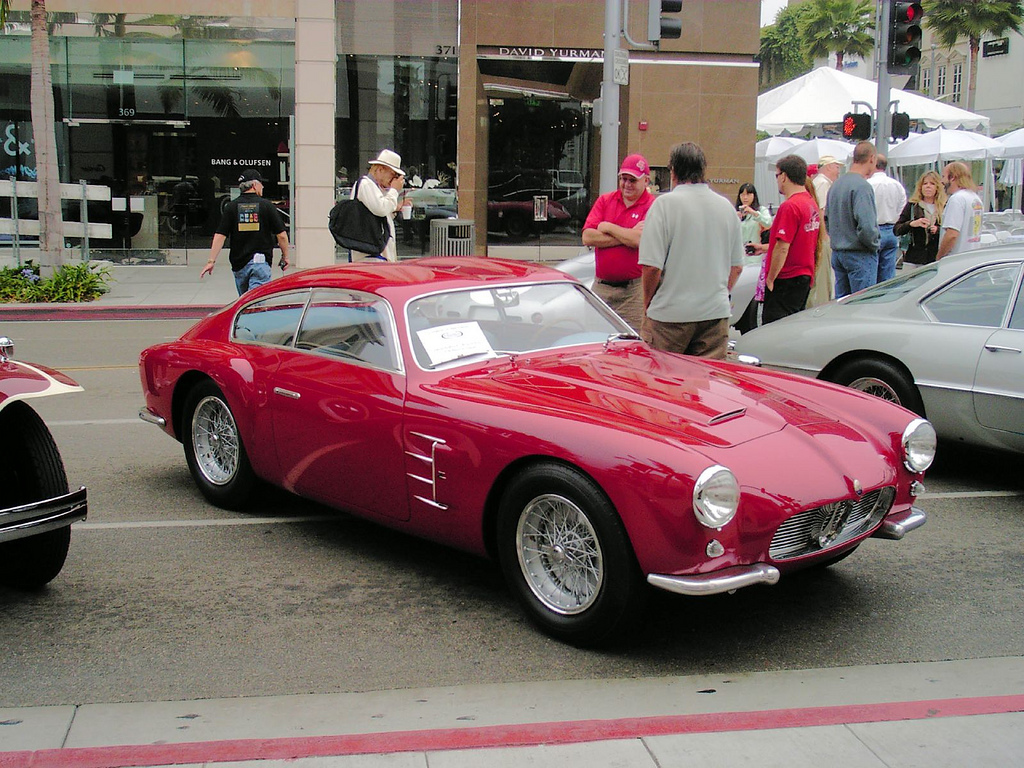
922, 219
754, 217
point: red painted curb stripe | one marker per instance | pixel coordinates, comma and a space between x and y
133, 756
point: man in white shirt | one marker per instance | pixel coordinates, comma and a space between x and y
828, 171
890, 199
379, 191
961, 219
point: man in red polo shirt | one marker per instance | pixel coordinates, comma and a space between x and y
613, 230
793, 242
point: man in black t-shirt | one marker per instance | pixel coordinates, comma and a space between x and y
253, 224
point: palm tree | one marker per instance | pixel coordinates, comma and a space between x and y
783, 54
950, 20
51, 223
841, 27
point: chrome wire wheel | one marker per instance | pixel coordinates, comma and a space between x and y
215, 440
877, 387
560, 554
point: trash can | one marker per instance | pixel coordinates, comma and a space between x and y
451, 237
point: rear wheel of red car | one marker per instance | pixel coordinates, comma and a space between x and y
213, 448
881, 379
30, 470
567, 558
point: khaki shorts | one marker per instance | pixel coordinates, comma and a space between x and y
703, 338
626, 300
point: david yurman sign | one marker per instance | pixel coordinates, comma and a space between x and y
539, 53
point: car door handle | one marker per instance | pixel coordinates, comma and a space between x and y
287, 393
997, 348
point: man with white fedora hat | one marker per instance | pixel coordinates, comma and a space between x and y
379, 190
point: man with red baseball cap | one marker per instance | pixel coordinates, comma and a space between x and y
613, 230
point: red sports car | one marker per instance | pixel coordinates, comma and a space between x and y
36, 508
501, 408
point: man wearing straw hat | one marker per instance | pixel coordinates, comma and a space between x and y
379, 190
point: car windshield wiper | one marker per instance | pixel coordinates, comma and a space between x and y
632, 335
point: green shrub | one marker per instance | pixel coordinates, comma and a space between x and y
70, 283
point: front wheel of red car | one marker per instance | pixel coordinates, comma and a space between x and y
31, 469
213, 448
567, 558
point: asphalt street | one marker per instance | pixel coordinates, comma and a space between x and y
166, 597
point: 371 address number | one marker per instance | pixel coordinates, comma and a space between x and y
446, 50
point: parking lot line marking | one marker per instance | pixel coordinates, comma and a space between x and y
92, 422
224, 521
513, 735
969, 494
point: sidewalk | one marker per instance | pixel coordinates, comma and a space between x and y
933, 715
143, 291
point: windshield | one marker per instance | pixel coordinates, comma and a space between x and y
893, 289
460, 326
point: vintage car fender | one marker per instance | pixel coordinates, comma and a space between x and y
20, 381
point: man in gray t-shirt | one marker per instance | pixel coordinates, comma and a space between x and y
853, 224
691, 253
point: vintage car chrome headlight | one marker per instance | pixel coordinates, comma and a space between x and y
919, 445
716, 496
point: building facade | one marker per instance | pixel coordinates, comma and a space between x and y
490, 104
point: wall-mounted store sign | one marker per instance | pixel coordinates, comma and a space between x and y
539, 53
996, 47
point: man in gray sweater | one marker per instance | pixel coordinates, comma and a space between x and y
853, 224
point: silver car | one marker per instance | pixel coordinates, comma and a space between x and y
945, 340
583, 268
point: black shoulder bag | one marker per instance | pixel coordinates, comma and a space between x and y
355, 228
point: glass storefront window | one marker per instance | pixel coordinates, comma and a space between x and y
165, 114
407, 104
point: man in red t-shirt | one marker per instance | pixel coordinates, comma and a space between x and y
793, 242
613, 229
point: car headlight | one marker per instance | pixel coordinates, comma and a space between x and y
716, 496
919, 445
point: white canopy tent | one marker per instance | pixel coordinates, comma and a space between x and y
943, 145
823, 96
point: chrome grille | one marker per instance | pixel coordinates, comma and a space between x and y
809, 532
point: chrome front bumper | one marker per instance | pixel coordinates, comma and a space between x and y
895, 527
725, 580
731, 579
42, 516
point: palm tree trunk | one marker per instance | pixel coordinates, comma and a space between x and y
972, 84
839, 60
51, 223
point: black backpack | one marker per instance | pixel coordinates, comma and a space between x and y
355, 228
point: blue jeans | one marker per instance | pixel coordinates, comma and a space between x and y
855, 270
888, 250
250, 276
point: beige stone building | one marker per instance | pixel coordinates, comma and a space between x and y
490, 104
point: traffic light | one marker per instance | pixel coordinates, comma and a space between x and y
904, 38
900, 125
857, 125
663, 27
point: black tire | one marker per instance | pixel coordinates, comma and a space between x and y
881, 379
516, 225
213, 448
590, 595
30, 469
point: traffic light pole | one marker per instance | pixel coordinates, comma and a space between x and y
610, 101
883, 116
